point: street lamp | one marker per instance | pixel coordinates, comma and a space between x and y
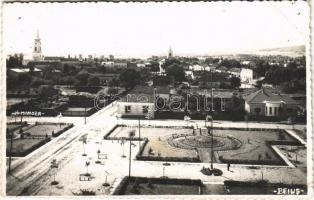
131, 135
139, 134
211, 132
122, 143
10, 154
85, 102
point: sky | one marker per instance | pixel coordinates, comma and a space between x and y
144, 29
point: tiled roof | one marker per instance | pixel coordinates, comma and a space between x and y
149, 90
234, 69
264, 94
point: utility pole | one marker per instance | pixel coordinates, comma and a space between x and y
131, 134
212, 145
85, 102
139, 134
10, 155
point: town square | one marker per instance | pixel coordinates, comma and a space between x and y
166, 104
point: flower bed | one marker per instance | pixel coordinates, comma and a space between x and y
22, 147
159, 186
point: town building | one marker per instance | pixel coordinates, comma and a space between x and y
269, 103
140, 101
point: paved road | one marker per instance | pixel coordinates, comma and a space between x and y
26, 170
31, 175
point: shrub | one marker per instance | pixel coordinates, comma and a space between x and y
150, 184
85, 192
217, 172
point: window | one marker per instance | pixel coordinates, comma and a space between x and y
257, 110
223, 104
145, 109
127, 109
270, 110
275, 111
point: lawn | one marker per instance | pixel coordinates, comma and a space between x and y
241, 145
22, 147
159, 186
43, 129
158, 141
14, 126
253, 144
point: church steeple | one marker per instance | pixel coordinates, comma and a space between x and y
37, 53
170, 53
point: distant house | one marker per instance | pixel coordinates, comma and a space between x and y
16, 71
189, 74
245, 74
235, 71
246, 62
120, 64
107, 63
221, 69
214, 80
140, 102
105, 78
269, 103
196, 68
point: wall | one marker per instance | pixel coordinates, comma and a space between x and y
136, 109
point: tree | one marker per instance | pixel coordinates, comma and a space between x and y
15, 61
82, 78
235, 82
87, 163
48, 92
177, 72
66, 69
130, 78
94, 81
24, 79
154, 67
84, 141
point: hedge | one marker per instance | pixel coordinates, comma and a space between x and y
139, 153
62, 131
262, 183
253, 162
29, 150
120, 189
169, 159
109, 132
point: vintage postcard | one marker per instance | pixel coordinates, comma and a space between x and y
157, 100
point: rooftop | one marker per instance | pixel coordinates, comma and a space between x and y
266, 94
24, 70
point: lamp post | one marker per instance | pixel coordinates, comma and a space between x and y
211, 132
10, 155
139, 134
131, 135
85, 102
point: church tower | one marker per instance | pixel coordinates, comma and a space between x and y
37, 54
170, 53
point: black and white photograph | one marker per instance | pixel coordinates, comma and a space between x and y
167, 100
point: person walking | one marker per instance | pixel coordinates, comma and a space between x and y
228, 166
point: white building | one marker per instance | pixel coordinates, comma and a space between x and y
246, 75
196, 68
190, 74
107, 64
37, 53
